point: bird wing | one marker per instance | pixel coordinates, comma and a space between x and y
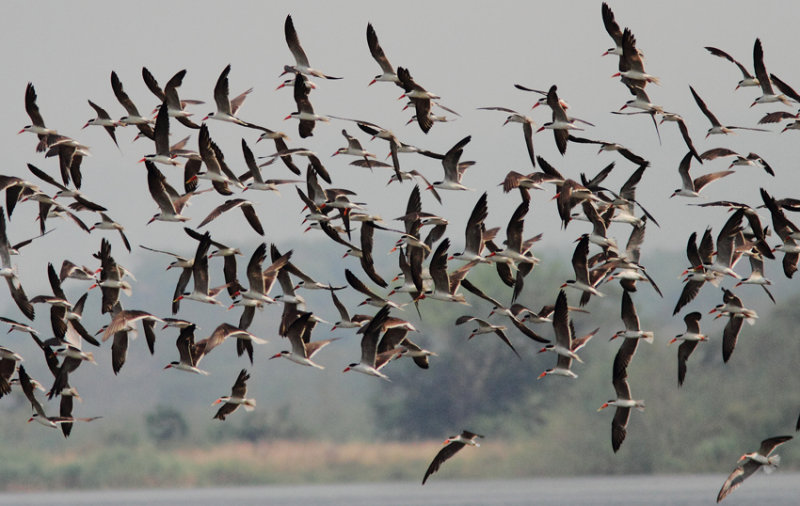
736, 478
294, 43
760, 70
221, 92
445, 453
377, 51
703, 107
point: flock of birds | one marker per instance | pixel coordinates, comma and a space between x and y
424, 255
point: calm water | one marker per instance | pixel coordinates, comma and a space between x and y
776, 489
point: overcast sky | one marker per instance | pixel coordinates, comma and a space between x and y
469, 53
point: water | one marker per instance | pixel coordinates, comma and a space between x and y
776, 489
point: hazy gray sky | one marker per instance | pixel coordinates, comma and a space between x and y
469, 53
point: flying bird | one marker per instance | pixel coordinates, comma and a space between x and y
454, 444
301, 60
236, 399
749, 463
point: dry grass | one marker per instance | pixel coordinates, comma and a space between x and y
240, 463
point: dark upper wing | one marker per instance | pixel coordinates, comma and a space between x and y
377, 51
444, 454
294, 42
703, 107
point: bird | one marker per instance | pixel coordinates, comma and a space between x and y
517, 313
254, 172
301, 60
577, 345
125, 321
452, 171
236, 399
9, 272
247, 209
485, 327
387, 70
527, 127
419, 96
751, 160
103, 120
563, 330
176, 107
133, 117
516, 249
369, 363
747, 78
163, 155
39, 414
303, 349
305, 111
190, 354
631, 66
201, 291
690, 339
716, 126
787, 231
737, 314
677, 118
227, 108
453, 445
624, 402
631, 321
354, 148
692, 187
561, 123
474, 232
749, 463
372, 298
106, 223
767, 93
347, 321
697, 275
217, 170
583, 281
37, 125
110, 281
756, 276
613, 29
445, 285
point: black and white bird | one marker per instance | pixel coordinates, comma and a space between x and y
749, 463
236, 399
454, 445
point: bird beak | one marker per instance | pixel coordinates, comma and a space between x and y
604, 406
542, 375
346, 369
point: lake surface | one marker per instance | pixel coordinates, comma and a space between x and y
776, 489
